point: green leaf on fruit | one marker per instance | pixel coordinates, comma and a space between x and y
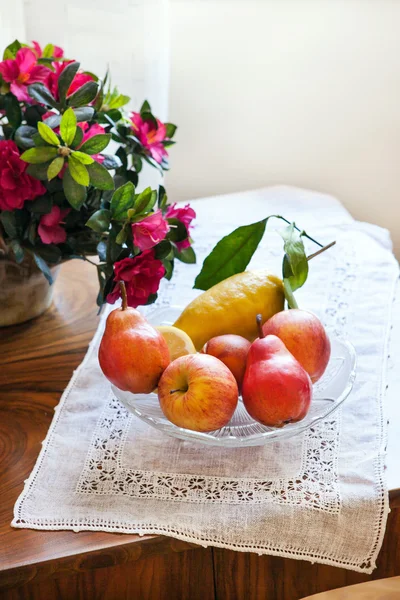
231, 255
295, 264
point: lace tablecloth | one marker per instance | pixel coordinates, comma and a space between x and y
320, 496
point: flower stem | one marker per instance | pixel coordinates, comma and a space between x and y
123, 295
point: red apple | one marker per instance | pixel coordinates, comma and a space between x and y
232, 350
198, 392
304, 336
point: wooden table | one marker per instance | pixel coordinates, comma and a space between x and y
37, 360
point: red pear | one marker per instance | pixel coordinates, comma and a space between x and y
132, 354
276, 389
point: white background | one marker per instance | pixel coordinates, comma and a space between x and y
303, 92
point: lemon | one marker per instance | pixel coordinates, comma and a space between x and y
178, 342
232, 305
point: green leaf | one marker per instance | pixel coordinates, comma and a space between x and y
34, 114
83, 158
121, 154
145, 201
178, 231
169, 269
39, 155
100, 178
84, 95
39, 171
111, 162
295, 264
96, 144
231, 255
78, 137
9, 223
122, 236
13, 110
48, 134
68, 126
23, 137
11, 50
122, 200
145, 107
49, 252
74, 192
137, 163
65, 80
163, 249
44, 267
162, 197
48, 51
148, 116
55, 167
39, 92
100, 220
78, 171
187, 255
119, 101
40, 205
38, 140
18, 251
171, 128
85, 113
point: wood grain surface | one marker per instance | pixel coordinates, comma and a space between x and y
37, 360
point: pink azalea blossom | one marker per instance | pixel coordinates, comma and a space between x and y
185, 214
142, 275
149, 136
50, 230
21, 72
52, 79
57, 53
16, 185
149, 231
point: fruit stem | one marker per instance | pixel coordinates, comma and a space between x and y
259, 325
123, 295
178, 390
321, 250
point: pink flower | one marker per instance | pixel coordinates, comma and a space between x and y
149, 136
21, 72
57, 53
149, 231
52, 79
141, 274
50, 230
185, 214
16, 185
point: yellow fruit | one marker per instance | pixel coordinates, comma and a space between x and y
178, 342
231, 306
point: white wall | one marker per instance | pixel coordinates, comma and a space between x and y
303, 92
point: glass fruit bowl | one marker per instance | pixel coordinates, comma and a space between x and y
242, 430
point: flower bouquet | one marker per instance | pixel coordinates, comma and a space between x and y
63, 196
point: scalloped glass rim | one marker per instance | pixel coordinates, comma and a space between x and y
329, 393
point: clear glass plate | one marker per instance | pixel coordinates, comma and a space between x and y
328, 394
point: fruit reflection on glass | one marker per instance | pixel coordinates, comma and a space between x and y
232, 350
132, 354
276, 388
198, 392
